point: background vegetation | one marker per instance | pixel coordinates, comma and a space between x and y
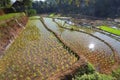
88, 73
96, 8
111, 30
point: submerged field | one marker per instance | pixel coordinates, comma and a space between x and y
45, 48
94, 49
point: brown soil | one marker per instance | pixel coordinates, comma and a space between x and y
9, 30
67, 74
2, 12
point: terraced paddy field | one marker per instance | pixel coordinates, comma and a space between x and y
111, 30
115, 43
96, 50
45, 50
35, 55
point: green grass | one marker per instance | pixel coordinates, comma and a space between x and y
88, 73
11, 15
110, 30
116, 73
52, 15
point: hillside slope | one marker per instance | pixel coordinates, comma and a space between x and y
10, 27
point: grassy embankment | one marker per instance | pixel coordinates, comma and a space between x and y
110, 30
9, 16
10, 27
52, 15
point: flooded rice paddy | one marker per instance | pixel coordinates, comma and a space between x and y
96, 51
113, 42
37, 54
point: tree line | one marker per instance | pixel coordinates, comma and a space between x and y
97, 8
5, 3
18, 6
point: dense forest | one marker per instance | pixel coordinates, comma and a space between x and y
97, 8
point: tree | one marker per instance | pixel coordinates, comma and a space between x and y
31, 12
5, 3
27, 3
23, 6
18, 6
107, 8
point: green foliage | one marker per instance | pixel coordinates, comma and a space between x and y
27, 3
111, 30
116, 74
11, 15
52, 15
22, 5
88, 73
97, 8
5, 3
45, 7
94, 76
31, 12
87, 69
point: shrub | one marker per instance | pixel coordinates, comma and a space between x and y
87, 69
88, 73
52, 15
95, 76
31, 12
116, 74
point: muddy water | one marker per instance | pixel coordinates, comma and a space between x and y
83, 39
94, 50
114, 43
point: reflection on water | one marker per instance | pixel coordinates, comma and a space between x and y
115, 44
81, 41
91, 46
85, 44
78, 38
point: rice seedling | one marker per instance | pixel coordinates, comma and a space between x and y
33, 55
79, 42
